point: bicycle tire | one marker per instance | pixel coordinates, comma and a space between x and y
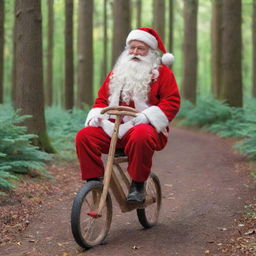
148, 216
89, 231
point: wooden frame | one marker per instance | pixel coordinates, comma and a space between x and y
113, 168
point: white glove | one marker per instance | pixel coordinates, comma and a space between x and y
124, 128
94, 122
141, 118
107, 126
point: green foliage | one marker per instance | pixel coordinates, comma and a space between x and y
62, 128
185, 107
207, 112
17, 155
217, 117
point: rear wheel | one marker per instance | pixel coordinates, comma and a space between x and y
89, 229
148, 216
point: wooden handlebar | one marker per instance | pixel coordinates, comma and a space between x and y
120, 111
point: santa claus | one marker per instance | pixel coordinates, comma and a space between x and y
140, 79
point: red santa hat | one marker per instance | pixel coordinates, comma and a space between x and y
150, 37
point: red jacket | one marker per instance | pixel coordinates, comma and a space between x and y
163, 100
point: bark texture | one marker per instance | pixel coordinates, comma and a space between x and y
105, 43
171, 20
49, 84
159, 17
121, 22
85, 53
216, 32
1, 50
254, 49
189, 85
231, 89
138, 13
29, 69
13, 91
69, 66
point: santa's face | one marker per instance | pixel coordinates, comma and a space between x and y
138, 48
132, 74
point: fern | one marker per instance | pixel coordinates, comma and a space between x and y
217, 117
17, 155
207, 112
62, 128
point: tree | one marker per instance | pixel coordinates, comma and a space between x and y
49, 85
105, 43
138, 13
1, 50
69, 67
121, 23
85, 53
254, 49
189, 84
216, 46
159, 17
29, 69
170, 37
231, 84
13, 90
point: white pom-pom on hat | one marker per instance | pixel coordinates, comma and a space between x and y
167, 59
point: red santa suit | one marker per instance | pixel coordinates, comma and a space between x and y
140, 142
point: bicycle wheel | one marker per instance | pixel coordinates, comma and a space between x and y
148, 216
88, 229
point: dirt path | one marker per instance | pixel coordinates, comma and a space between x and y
204, 186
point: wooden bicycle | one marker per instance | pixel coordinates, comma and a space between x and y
91, 213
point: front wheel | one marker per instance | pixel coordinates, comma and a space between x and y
148, 216
90, 230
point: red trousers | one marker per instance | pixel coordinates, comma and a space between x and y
139, 144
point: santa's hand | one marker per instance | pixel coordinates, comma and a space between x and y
141, 118
94, 122
107, 126
124, 128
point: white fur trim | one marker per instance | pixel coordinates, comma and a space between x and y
107, 126
167, 59
143, 36
92, 113
157, 118
140, 105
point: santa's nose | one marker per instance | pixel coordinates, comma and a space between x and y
134, 51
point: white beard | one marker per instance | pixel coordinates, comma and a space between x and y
132, 78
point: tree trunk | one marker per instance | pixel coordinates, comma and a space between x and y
105, 43
216, 46
189, 84
29, 69
231, 85
85, 53
254, 49
121, 14
69, 67
159, 17
138, 13
171, 19
49, 85
1, 50
13, 91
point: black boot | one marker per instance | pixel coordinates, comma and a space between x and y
136, 193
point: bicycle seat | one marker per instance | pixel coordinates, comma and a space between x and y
119, 152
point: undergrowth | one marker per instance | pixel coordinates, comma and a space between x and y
219, 118
62, 127
17, 155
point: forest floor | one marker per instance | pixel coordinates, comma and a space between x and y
208, 207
